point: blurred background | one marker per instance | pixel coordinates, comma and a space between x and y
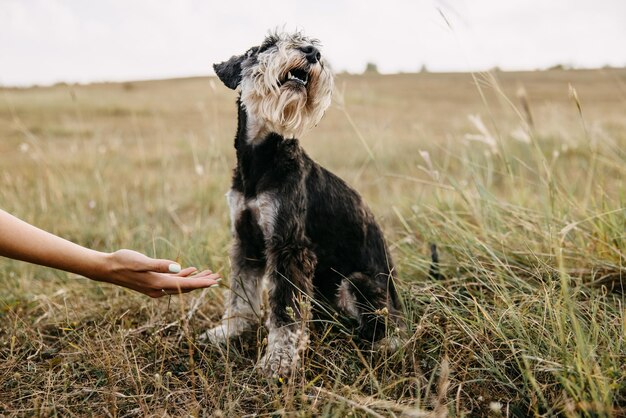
48, 41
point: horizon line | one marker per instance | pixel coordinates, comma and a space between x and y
424, 70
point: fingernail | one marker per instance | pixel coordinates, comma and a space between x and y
214, 285
174, 268
218, 279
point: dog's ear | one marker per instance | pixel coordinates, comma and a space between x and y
230, 71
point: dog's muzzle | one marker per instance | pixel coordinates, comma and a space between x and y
299, 76
311, 53
296, 77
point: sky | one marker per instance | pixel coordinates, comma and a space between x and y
49, 41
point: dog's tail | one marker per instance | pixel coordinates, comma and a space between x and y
434, 272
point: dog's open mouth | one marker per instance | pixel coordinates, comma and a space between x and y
296, 76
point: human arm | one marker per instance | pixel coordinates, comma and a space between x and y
22, 241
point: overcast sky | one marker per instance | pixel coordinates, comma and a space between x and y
46, 41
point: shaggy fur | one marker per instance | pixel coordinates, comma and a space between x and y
298, 230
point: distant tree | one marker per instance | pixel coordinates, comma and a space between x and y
424, 69
371, 68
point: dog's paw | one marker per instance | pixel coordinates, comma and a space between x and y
216, 336
221, 334
279, 363
389, 344
283, 352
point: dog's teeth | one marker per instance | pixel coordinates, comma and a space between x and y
294, 78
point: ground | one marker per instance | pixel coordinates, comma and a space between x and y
518, 178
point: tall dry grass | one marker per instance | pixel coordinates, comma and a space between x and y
517, 177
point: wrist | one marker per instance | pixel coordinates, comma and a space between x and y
100, 266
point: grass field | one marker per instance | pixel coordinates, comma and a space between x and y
519, 178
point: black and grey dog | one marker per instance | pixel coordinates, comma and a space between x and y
298, 230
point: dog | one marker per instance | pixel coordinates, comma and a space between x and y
296, 227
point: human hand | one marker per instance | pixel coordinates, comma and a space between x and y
152, 277
130, 269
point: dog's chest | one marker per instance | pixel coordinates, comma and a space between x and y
262, 210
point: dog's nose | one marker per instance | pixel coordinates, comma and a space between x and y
312, 54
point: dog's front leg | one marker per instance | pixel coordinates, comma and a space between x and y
290, 273
243, 300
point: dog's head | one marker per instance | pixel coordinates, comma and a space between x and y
286, 84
